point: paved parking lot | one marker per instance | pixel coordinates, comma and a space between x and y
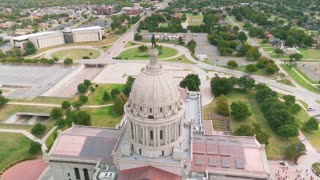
311, 69
27, 81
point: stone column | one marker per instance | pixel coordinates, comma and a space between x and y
147, 136
143, 136
137, 132
159, 138
154, 136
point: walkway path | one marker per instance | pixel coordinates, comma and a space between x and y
23, 132
54, 105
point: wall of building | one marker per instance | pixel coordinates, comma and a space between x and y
66, 171
87, 36
48, 41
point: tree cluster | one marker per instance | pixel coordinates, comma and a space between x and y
38, 129
118, 103
277, 113
152, 22
192, 82
254, 129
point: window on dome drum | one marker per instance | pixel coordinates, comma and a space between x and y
140, 151
86, 174
161, 110
162, 153
150, 117
132, 130
161, 134
76, 171
140, 108
170, 107
151, 135
150, 110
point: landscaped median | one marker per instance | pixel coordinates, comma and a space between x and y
296, 77
75, 54
136, 54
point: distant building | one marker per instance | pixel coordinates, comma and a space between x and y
136, 9
105, 10
54, 38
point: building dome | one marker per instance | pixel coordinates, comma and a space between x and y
154, 89
155, 112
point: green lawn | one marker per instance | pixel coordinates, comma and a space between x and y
165, 24
135, 54
95, 98
180, 59
286, 81
310, 53
13, 147
103, 116
130, 44
76, 54
305, 76
277, 144
194, 20
51, 139
299, 80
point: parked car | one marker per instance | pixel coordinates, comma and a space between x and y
311, 109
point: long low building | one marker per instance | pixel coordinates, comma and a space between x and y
55, 38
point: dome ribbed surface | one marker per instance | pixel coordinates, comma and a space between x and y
154, 89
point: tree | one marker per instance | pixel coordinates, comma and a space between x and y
232, 64
255, 129
56, 113
82, 118
288, 130
118, 103
87, 82
242, 36
272, 68
35, 147
289, 99
180, 40
311, 125
142, 48
246, 83
3, 100
106, 96
68, 61
253, 54
251, 68
295, 108
220, 86
294, 151
114, 92
65, 105
83, 99
192, 82
77, 104
239, 110
82, 88
235, 29
137, 37
243, 130
278, 51
29, 49
222, 106
293, 58
38, 129
127, 88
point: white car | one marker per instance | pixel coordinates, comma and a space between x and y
311, 109
51, 82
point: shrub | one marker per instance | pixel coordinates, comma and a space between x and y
68, 61
38, 129
222, 105
56, 113
35, 147
232, 64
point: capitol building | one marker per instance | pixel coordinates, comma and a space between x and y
162, 136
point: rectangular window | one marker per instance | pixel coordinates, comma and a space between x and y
86, 174
132, 130
140, 108
162, 153
140, 151
170, 107
68, 174
76, 171
151, 135
150, 110
161, 110
161, 134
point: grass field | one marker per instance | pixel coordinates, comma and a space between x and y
76, 54
277, 144
130, 44
286, 81
194, 20
180, 59
305, 76
135, 54
103, 116
310, 53
299, 80
96, 97
13, 148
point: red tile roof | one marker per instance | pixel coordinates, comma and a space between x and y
147, 172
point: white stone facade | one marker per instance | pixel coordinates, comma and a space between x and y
155, 112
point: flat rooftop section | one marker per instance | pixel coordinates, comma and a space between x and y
27, 36
26, 170
30, 80
93, 28
193, 111
86, 144
229, 155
